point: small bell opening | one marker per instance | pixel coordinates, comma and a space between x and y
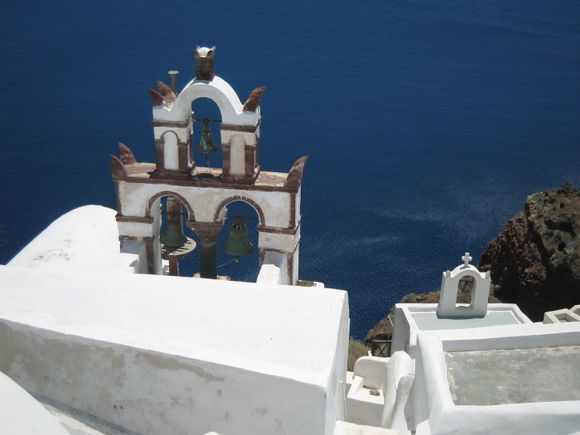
172, 231
238, 243
207, 144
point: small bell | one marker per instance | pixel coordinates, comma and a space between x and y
238, 244
172, 233
206, 143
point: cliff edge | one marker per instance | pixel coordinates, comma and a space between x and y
535, 260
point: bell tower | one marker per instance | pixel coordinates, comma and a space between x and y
450, 284
205, 191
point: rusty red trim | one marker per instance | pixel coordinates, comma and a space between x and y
178, 124
242, 128
135, 219
275, 230
292, 209
250, 201
150, 254
290, 264
249, 160
169, 193
231, 183
207, 232
226, 166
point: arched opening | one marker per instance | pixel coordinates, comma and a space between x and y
170, 212
170, 150
465, 291
206, 109
243, 268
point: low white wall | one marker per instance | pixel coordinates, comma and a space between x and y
134, 257
273, 270
152, 392
336, 382
147, 353
405, 328
436, 414
402, 331
510, 337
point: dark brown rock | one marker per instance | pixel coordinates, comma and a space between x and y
535, 261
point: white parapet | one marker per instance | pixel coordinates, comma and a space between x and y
563, 315
377, 397
272, 270
518, 379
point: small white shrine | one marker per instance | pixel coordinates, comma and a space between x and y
449, 313
481, 282
206, 192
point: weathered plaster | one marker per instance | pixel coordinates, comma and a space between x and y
435, 411
148, 354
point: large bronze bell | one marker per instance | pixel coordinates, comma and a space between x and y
238, 244
172, 232
206, 143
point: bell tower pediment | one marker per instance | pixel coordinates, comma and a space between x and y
239, 123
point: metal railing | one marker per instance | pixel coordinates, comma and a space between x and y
380, 345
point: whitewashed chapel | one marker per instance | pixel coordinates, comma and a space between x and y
99, 334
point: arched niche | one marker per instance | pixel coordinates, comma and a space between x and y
218, 214
237, 125
155, 200
448, 306
170, 143
201, 108
244, 268
217, 90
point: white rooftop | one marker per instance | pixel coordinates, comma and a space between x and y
497, 376
85, 239
273, 329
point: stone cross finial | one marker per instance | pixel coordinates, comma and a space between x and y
466, 259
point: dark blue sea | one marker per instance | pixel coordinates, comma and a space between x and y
427, 122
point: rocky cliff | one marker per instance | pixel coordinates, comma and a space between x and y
535, 261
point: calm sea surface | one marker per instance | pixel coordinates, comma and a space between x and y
427, 122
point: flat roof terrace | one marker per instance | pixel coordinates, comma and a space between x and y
429, 321
500, 376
